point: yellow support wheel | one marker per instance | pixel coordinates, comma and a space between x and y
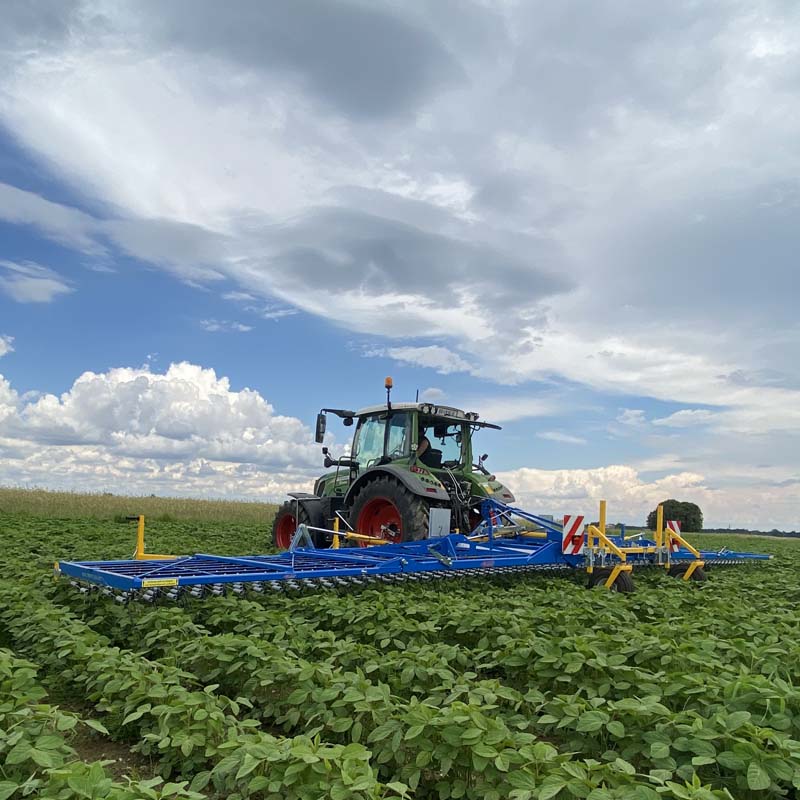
616, 579
689, 572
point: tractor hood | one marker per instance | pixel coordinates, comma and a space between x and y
489, 486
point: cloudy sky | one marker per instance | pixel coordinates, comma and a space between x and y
577, 218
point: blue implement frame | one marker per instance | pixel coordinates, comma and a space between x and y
453, 553
498, 544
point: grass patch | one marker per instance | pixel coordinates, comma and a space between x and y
76, 505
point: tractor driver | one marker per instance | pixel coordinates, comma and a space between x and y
423, 446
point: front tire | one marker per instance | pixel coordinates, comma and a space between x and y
385, 509
288, 517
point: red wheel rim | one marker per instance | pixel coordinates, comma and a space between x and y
380, 518
284, 530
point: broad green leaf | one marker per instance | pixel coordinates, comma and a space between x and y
616, 728
737, 719
520, 779
757, 777
591, 721
97, 726
730, 761
659, 750
19, 753
133, 716
200, 781
83, 785
550, 787
248, 765
625, 766
413, 732
7, 788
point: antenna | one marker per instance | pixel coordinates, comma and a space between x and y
416, 400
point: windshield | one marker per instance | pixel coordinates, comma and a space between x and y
369, 439
446, 443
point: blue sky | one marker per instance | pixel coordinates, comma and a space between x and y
580, 223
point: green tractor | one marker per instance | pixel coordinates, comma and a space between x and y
405, 459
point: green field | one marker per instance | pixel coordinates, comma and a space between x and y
73, 505
510, 688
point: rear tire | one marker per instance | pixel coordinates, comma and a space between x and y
285, 524
384, 508
623, 583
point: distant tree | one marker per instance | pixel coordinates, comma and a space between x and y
688, 514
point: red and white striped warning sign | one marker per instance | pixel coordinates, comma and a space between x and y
573, 538
674, 526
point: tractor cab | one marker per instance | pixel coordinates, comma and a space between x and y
404, 459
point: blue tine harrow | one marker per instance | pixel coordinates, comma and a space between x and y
508, 540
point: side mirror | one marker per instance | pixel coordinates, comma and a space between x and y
484, 456
348, 421
322, 422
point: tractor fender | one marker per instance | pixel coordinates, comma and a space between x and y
411, 481
314, 506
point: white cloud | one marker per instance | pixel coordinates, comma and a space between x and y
689, 417
8, 401
631, 416
28, 282
441, 359
432, 394
272, 312
259, 180
238, 297
142, 95
184, 431
274, 147
558, 436
6, 344
630, 498
61, 223
251, 304
86, 468
224, 326
508, 409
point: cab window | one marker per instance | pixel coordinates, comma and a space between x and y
368, 445
399, 438
445, 444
